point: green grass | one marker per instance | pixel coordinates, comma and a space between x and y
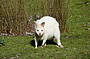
76, 42
75, 47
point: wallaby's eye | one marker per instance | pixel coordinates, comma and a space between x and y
37, 30
41, 30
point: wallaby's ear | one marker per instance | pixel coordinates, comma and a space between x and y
42, 24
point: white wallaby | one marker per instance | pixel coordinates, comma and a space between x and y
46, 28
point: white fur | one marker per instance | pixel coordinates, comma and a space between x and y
50, 29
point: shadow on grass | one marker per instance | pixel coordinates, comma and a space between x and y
48, 42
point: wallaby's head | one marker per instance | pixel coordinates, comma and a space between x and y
39, 29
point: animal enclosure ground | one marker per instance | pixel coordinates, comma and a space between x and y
75, 47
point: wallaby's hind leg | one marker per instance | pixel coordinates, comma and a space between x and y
59, 43
57, 37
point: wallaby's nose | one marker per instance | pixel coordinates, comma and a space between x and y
39, 33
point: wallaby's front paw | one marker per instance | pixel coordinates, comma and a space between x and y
35, 47
42, 46
45, 45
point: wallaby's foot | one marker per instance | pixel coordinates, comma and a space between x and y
45, 45
41, 46
35, 47
60, 46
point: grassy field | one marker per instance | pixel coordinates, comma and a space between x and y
76, 42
